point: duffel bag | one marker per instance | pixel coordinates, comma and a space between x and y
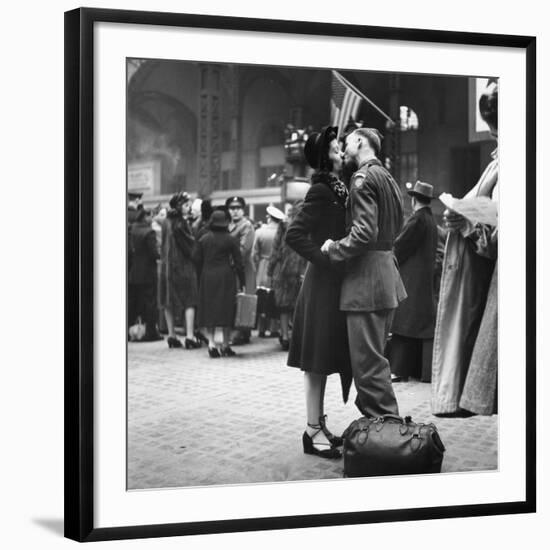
391, 445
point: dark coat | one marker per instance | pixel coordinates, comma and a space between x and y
415, 250
286, 269
130, 219
319, 340
372, 280
143, 244
218, 258
178, 275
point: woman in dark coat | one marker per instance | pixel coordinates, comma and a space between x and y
178, 276
319, 343
218, 257
286, 269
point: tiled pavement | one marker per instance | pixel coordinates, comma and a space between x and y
194, 421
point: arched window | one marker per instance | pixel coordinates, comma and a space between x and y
409, 148
408, 119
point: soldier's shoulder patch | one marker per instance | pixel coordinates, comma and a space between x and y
358, 179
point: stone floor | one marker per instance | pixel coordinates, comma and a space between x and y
195, 421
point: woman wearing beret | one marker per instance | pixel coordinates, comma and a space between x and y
319, 342
178, 276
218, 258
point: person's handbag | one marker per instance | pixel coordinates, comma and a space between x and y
137, 332
266, 301
391, 445
245, 315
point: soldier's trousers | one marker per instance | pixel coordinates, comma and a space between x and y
367, 333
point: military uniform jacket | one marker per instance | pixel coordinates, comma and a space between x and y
372, 281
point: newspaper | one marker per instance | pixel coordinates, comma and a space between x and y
476, 209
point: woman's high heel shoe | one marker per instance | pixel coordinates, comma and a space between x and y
174, 342
227, 352
200, 337
311, 449
192, 344
213, 352
335, 440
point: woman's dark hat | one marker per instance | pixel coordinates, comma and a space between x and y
235, 201
422, 189
218, 219
317, 145
179, 198
142, 213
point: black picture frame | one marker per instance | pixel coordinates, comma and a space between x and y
79, 269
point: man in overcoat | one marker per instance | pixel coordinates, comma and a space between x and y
372, 287
410, 348
142, 276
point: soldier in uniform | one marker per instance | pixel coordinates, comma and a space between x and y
372, 287
243, 230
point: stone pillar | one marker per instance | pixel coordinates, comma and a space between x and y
233, 85
209, 150
394, 152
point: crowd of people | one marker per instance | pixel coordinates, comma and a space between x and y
207, 256
346, 283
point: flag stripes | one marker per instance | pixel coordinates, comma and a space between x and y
344, 102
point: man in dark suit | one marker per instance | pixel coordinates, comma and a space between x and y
410, 348
372, 287
142, 276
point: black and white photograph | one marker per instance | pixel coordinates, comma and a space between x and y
274, 275
312, 273
300, 257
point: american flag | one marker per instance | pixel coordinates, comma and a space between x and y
344, 102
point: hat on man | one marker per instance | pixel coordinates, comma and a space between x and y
422, 189
218, 219
134, 195
275, 213
317, 145
235, 201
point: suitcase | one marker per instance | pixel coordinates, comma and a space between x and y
391, 445
245, 316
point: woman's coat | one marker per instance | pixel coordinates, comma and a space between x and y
463, 344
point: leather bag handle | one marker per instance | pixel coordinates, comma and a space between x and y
392, 416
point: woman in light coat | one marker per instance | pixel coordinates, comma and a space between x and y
464, 369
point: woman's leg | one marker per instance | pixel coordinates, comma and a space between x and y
262, 324
210, 331
226, 336
322, 396
190, 323
314, 386
285, 318
170, 322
